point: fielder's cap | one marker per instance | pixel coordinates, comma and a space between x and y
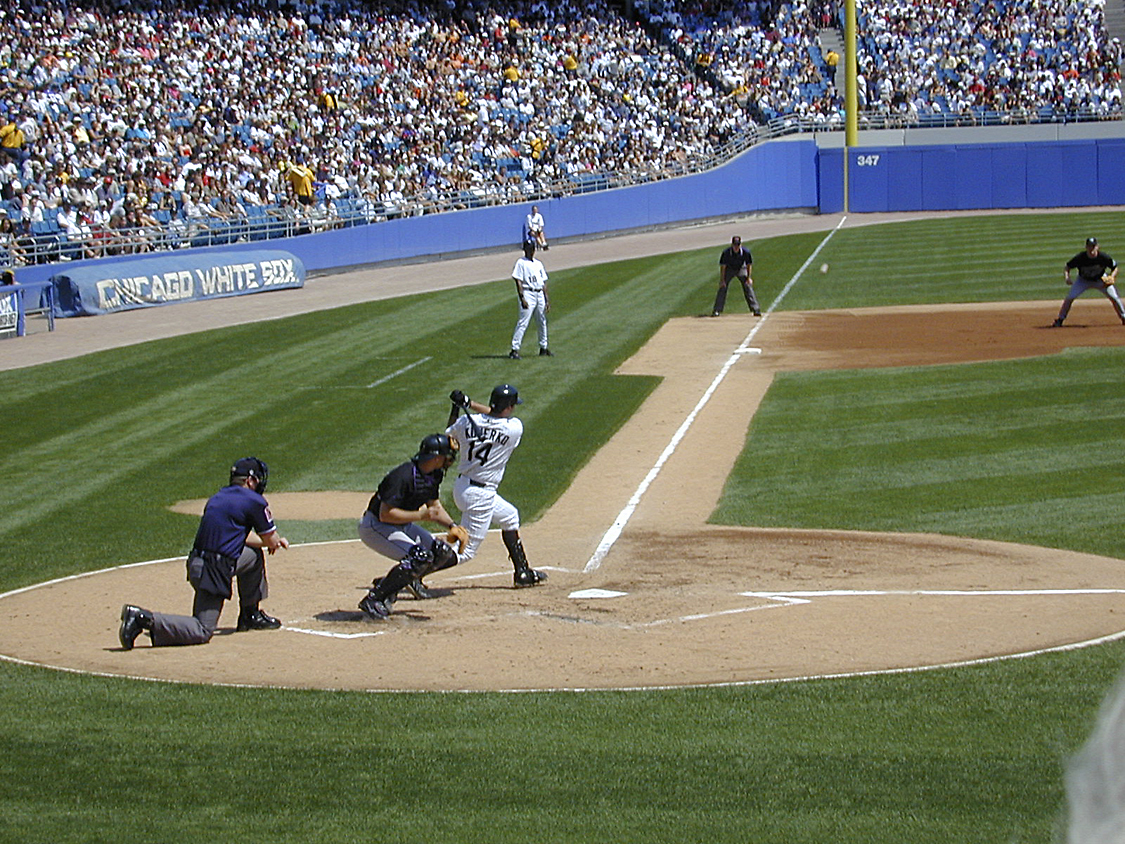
736, 240
1091, 241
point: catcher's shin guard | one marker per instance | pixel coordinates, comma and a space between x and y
444, 555
415, 564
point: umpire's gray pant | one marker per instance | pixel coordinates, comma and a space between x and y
197, 628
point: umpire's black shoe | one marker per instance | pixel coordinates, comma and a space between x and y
256, 620
528, 577
373, 608
133, 621
419, 590
514, 355
544, 352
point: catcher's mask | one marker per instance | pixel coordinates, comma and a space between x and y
504, 395
250, 467
436, 445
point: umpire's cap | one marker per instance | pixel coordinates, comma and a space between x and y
1091, 241
251, 467
435, 445
504, 395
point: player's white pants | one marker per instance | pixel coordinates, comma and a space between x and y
537, 304
481, 507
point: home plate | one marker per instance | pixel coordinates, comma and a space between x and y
596, 593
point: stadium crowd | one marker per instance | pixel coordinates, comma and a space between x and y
130, 125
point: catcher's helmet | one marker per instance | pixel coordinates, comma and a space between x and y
251, 467
435, 445
504, 395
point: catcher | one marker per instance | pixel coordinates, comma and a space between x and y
1096, 271
409, 494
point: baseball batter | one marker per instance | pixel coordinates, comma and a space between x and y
1096, 271
488, 436
406, 495
223, 550
531, 291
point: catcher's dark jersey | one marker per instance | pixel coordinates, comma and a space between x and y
407, 487
1091, 267
735, 262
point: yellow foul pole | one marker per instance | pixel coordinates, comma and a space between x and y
851, 99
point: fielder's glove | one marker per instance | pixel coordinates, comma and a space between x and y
459, 399
457, 536
1107, 281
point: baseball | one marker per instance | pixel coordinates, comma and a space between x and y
824, 268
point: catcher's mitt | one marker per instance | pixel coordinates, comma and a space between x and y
458, 536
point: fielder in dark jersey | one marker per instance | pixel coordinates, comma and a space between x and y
736, 262
222, 551
1096, 271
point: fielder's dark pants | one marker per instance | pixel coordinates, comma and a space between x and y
747, 290
197, 628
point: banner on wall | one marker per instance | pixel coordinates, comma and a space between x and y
146, 282
9, 313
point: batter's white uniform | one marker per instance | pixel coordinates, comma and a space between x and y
531, 276
486, 444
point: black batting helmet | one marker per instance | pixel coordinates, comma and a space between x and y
435, 445
504, 395
250, 467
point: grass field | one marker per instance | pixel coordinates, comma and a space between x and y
1031, 451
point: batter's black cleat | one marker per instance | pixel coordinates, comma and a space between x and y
419, 590
133, 621
757, 313
256, 620
528, 577
1056, 324
373, 608
714, 313
514, 355
544, 352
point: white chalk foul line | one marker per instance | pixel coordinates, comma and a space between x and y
611, 536
398, 372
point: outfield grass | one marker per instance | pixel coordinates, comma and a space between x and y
96, 448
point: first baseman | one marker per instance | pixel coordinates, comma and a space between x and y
222, 551
1096, 271
488, 436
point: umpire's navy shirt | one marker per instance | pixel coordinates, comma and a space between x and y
406, 487
230, 515
734, 262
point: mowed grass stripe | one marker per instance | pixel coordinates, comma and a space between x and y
990, 258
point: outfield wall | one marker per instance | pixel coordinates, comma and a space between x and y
1041, 166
